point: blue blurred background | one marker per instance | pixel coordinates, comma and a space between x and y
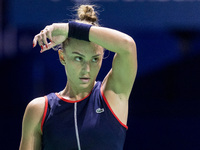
165, 101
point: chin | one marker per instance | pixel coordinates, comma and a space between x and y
87, 85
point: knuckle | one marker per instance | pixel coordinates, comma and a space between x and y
39, 37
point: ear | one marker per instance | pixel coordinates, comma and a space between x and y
61, 57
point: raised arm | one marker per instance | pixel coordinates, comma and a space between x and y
31, 132
118, 83
124, 67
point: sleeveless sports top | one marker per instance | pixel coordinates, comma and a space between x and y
87, 124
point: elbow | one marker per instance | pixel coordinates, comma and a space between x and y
130, 45
131, 50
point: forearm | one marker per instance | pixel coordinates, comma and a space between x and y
109, 39
112, 40
60, 29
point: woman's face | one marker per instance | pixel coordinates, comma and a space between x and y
82, 62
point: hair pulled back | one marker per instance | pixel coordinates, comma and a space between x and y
87, 14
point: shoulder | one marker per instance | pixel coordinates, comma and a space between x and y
34, 112
31, 132
36, 105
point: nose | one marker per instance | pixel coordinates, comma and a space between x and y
86, 67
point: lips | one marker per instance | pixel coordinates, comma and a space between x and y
85, 79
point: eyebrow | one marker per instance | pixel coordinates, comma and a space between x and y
77, 53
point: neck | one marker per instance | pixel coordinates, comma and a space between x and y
75, 93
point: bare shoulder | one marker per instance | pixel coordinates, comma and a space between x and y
117, 101
34, 112
31, 131
112, 88
36, 106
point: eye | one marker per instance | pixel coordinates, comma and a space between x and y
95, 59
78, 58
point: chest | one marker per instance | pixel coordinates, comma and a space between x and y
90, 122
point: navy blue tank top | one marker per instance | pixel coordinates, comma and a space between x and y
87, 124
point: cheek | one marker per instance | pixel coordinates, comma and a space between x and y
72, 68
96, 68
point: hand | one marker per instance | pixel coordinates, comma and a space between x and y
55, 33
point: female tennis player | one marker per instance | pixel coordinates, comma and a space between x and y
87, 114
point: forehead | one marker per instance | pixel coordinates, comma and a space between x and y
83, 47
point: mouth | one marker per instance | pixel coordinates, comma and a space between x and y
84, 79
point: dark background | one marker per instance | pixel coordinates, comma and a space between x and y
164, 103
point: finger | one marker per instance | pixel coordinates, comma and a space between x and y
40, 41
48, 32
43, 35
44, 38
49, 36
35, 41
48, 47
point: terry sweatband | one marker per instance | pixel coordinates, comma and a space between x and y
79, 31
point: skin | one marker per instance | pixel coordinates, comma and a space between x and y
87, 59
